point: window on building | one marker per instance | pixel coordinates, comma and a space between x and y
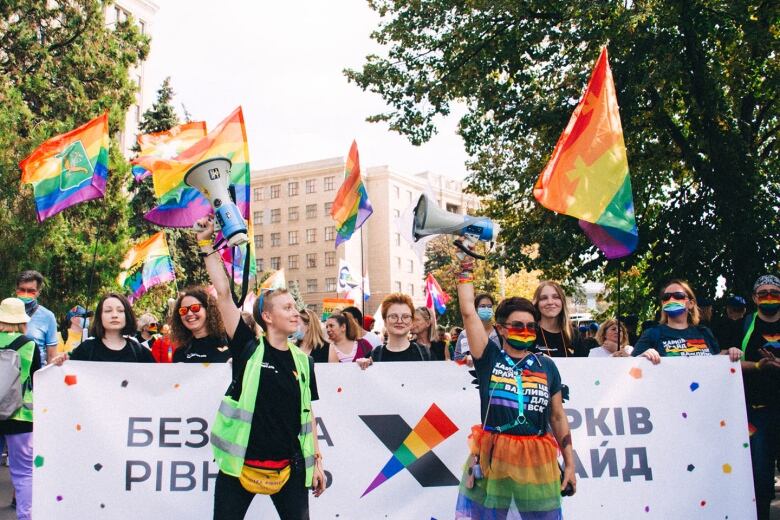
409, 195
257, 217
410, 292
292, 189
276, 190
329, 184
276, 263
142, 26
398, 262
276, 216
292, 213
276, 239
311, 186
311, 285
258, 241
453, 208
311, 260
410, 266
328, 207
292, 262
260, 265
397, 192
397, 286
330, 233
396, 213
330, 284
258, 193
311, 211
311, 235
330, 258
398, 239
292, 238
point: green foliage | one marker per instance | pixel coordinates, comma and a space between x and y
60, 66
697, 83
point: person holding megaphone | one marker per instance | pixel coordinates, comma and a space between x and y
512, 468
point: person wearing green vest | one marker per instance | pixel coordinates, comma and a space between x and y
264, 437
761, 376
16, 431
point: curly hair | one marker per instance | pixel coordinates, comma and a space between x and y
181, 335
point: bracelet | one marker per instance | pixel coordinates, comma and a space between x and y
757, 365
318, 457
465, 277
204, 254
204, 242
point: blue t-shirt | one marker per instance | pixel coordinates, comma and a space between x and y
42, 329
692, 341
498, 390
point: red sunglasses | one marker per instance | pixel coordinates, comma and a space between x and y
194, 308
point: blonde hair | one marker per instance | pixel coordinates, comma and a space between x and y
425, 312
145, 319
313, 335
21, 328
694, 314
601, 334
563, 317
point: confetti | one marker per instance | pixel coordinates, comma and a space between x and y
102, 506
647, 509
733, 370
703, 503
694, 386
597, 383
98, 466
78, 427
124, 383
635, 372
727, 468
745, 444
723, 424
59, 498
685, 415
691, 467
71, 379
338, 390
38, 461
177, 385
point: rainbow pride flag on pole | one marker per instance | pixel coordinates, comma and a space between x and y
351, 208
436, 297
146, 264
69, 168
165, 145
587, 176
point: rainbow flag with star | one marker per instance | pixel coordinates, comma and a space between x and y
587, 176
145, 265
351, 208
165, 145
69, 168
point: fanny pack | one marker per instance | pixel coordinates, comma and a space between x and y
265, 480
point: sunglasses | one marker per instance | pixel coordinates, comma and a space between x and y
194, 308
27, 291
768, 292
677, 295
520, 325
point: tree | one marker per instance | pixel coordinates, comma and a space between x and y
697, 83
60, 66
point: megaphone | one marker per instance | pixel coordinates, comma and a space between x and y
429, 219
212, 178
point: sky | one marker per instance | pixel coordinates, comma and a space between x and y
282, 62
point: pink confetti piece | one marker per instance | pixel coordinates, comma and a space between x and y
703, 503
647, 509
59, 498
685, 415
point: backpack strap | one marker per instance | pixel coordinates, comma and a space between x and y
750, 325
18, 342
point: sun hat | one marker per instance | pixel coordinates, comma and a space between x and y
12, 311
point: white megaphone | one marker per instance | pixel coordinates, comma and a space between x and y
212, 178
429, 219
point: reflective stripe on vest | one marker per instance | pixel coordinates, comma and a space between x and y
26, 353
232, 426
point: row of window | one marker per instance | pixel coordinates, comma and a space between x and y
312, 284
292, 237
293, 188
292, 213
293, 261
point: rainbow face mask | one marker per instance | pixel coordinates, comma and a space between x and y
769, 304
674, 309
520, 338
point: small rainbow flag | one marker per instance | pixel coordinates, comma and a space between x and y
146, 264
433, 428
436, 297
69, 168
587, 176
351, 207
165, 145
275, 281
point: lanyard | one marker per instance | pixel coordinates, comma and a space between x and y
520, 398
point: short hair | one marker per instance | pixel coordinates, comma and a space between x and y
97, 330
355, 312
266, 299
346, 320
30, 276
181, 335
693, 314
396, 298
515, 304
601, 334
145, 319
483, 296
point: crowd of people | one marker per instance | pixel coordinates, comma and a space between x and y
264, 436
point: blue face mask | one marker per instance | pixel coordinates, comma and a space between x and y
485, 313
298, 335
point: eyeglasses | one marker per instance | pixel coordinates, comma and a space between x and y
768, 292
677, 295
194, 308
27, 291
399, 317
531, 325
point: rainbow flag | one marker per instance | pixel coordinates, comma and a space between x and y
146, 264
436, 297
165, 145
69, 168
433, 428
275, 281
587, 176
351, 207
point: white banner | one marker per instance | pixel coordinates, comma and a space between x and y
656, 442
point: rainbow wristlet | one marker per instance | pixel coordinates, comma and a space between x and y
465, 277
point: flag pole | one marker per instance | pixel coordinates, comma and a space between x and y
362, 278
618, 302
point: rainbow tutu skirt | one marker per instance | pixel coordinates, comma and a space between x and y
520, 478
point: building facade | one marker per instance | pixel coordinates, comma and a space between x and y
293, 228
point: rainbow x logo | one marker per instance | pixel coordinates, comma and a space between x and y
412, 448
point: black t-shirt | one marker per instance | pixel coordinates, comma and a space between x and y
320, 355
203, 350
551, 344
93, 349
688, 342
276, 421
10, 426
728, 332
762, 387
499, 403
414, 352
437, 351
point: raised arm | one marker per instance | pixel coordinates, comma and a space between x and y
230, 313
472, 325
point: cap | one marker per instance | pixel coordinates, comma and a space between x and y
736, 301
767, 279
78, 310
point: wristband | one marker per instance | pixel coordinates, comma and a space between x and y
758, 367
204, 242
465, 277
204, 254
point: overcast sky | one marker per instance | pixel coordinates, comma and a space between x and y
283, 61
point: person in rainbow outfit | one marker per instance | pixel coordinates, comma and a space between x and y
512, 469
